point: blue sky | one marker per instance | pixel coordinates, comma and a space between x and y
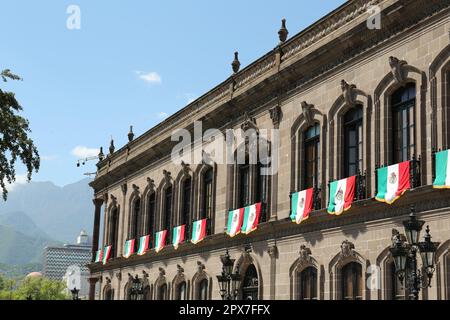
132, 62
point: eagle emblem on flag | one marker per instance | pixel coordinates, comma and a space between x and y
302, 202
235, 217
251, 216
339, 194
392, 178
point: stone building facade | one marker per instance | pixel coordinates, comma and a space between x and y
359, 98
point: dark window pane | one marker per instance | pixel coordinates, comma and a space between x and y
186, 205
244, 186
168, 213
352, 141
351, 285
151, 216
403, 104
311, 156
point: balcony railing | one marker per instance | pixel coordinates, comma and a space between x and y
414, 171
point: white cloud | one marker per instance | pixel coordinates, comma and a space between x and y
84, 152
150, 77
20, 179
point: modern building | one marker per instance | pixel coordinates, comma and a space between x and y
69, 263
346, 97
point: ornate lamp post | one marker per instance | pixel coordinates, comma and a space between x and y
137, 290
74, 292
404, 253
229, 282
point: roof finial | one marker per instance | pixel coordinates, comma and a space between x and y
130, 134
100, 154
283, 32
111, 147
236, 64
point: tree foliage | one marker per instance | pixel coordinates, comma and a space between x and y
36, 288
15, 144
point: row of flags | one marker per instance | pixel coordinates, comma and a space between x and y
393, 182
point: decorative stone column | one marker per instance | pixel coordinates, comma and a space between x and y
273, 253
92, 283
276, 115
98, 202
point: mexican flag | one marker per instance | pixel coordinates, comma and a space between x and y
178, 236
98, 256
342, 193
143, 244
442, 179
106, 253
251, 218
302, 205
198, 231
393, 181
234, 225
160, 240
128, 249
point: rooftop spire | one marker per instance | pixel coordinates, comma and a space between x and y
236, 64
283, 32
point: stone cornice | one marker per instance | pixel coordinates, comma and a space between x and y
368, 212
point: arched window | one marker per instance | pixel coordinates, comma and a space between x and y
181, 291
150, 228
244, 185
403, 102
397, 291
185, 217
307, 284
250, 284
311, 140
353, 140
114, 231
351, 285
162, 292
207, 198
203, 290
167, 220
135, 221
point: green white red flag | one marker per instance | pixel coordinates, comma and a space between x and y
342, 193
302, 205
106, 253
160, 240
98, 256
235, 219
198, 231
442, 179
143, 244
393, 181
251, 218
128, 248
178, 235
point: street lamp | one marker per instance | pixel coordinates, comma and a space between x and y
137, 291
74, 292
229, 282
404, 253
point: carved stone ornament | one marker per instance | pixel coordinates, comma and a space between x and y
108, 280
166, 176
135, 188
283, 32
249, 122
151, 184
113, 200
119, 276
180, 269
124, 188
130, 279
304, 255
348, 93
275, 115
272, 251
186, 167
162, 272
347, 249
307, 111
236, 64
111, 147
200, 266
398, 69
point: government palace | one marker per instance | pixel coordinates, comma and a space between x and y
359, 101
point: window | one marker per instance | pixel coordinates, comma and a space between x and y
250, 284
352, 281
203, 290
244, 185
262, 183
134, 230
162, 292
307, 284
167, 213
151, 205
353, 135
181, 291
403, 104
311, 156
207, 201
114, 231
185, 217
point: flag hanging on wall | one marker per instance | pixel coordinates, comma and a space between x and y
251, 218
235, 218
302, 205
342, 193
442, 179
178, 236
143, 244
106, 253
128, 249
393, 181
160, 240
98, 256
198, 231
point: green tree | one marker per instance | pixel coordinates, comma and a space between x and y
41, 289
15, 144
6, 288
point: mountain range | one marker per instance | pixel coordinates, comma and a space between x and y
38, 214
